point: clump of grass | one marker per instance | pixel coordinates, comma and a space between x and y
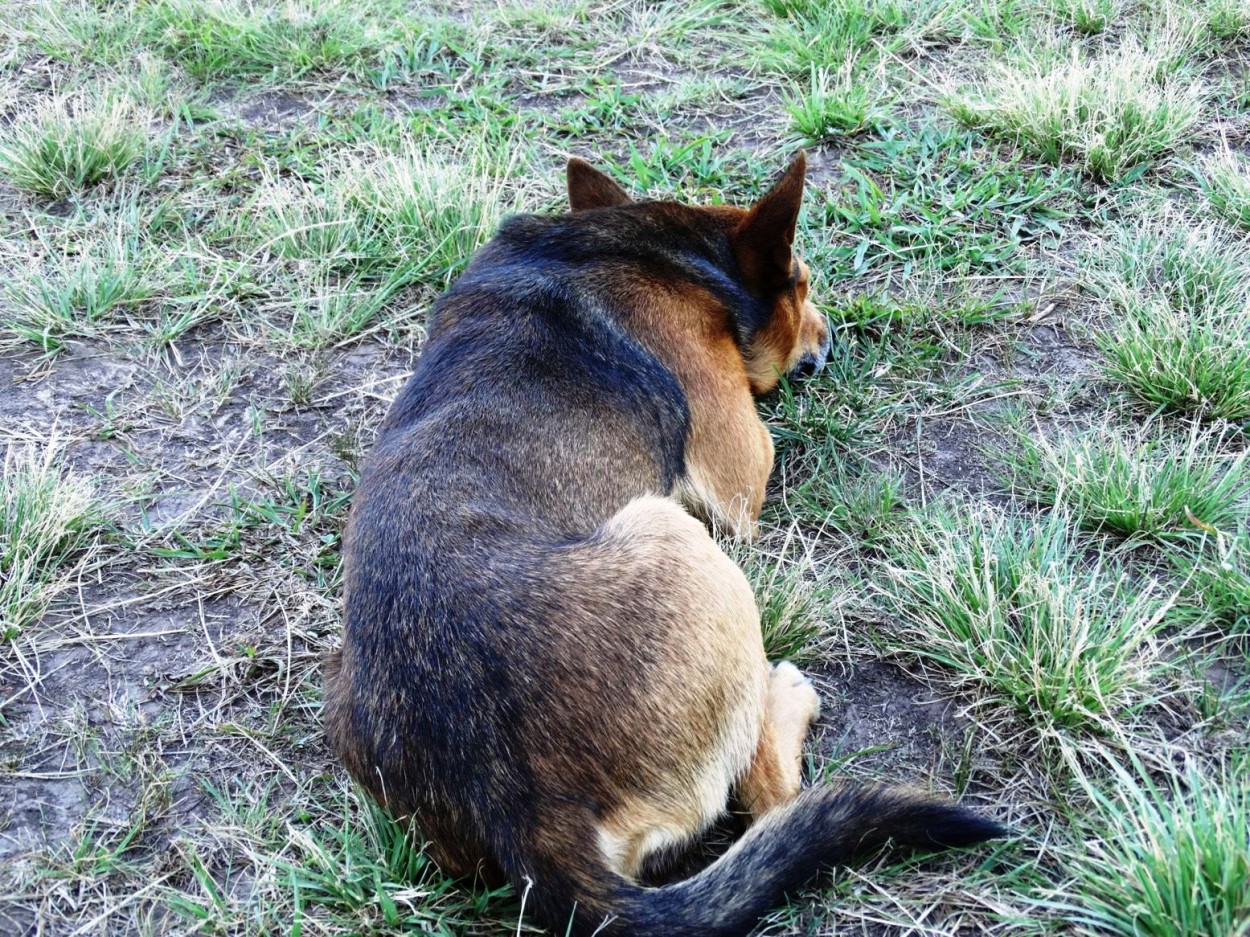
333, 857
1219, 579
1226, 20
1088, 17
1225, 180
1150, 482
793, 594
67, 145
78, 30
691, 164
1181, 338
863, 504
1164, 858
829, 34
325, 309
46, 517
421, 212
834, 104
929, 200
1109, 112
238, 39
1010, 603
71, 295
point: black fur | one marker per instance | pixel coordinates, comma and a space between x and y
823, 827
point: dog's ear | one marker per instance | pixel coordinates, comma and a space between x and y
764, 241
589, 188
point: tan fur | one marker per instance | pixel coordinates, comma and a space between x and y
709, 619
776, 769
729, 452
797, 327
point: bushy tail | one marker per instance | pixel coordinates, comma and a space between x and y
822, 827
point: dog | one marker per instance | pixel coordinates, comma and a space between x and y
548, 663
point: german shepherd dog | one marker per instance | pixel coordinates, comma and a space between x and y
548, 663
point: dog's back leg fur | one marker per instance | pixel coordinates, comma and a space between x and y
712, 685
715, 694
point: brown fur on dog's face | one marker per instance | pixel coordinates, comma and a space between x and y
795, 339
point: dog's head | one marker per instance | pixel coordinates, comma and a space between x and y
783, 334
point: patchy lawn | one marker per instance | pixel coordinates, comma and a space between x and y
1009, 523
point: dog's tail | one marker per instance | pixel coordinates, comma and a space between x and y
823, 826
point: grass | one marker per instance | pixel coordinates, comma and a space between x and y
1226, 20
1109, 113
1219, 578
1225, 181
826, 35
795, 597
1182, 849
226, 222
416, 215
1009, 603
1088, 17
833, 105
72, 295
66, 145
1152, 482
1179, 339
236, 39
924, 201
351, 866
47, 517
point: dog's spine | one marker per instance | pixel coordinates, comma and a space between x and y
822, 827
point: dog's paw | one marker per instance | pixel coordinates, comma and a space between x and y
792, 694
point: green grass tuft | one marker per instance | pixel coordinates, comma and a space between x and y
1226, 20
46, 517
835, 104
826, 35
794, 597
1181, 337
930, 200
1164, 858
239, 39
1219, 580
1150, 482
71, 295
1010, 603
417, 214
1087, 17
1109, 113
68, 145
1225, 180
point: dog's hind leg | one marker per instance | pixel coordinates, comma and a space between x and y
776, 771
688, 648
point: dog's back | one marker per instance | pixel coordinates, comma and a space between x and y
547, 663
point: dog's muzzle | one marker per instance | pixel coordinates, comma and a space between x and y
811, 364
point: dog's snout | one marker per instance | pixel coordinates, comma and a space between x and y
808, 366
812, 362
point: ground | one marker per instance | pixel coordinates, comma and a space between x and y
1008, 524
